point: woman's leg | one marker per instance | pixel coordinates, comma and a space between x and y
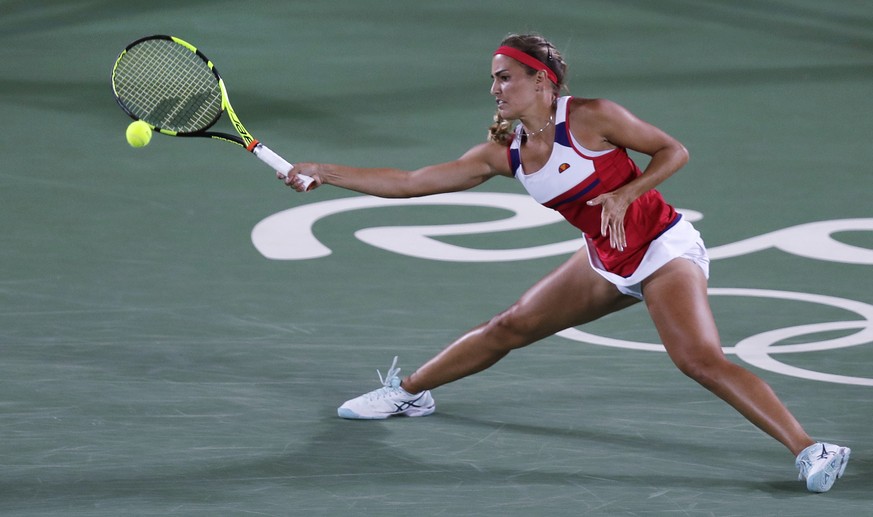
573, 294
678, 302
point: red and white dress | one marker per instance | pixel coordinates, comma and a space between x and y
655, 232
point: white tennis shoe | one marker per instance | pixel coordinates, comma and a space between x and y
389, 400
821, 464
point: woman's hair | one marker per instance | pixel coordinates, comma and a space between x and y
540, 48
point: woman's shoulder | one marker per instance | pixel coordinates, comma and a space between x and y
493, 154
591, 111
591, 105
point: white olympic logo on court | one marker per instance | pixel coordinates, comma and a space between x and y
288, 235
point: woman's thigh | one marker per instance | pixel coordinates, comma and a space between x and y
573, 294
677, 299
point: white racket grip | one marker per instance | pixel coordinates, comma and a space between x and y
278, 163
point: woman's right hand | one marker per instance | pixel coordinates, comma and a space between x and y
292, 180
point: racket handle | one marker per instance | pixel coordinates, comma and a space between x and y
279, 164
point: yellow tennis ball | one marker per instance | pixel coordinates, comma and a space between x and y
139, 134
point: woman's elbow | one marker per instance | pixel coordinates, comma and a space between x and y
682, 155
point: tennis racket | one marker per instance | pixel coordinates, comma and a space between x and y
171, 86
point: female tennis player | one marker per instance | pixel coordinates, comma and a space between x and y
570, 154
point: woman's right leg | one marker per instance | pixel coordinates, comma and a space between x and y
572, 294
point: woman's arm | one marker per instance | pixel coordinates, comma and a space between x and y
473, 168
621, 128
615, 126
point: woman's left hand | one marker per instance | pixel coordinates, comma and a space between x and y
613, 207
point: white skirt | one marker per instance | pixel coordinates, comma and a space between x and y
682, 240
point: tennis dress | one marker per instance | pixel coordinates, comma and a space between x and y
656, 233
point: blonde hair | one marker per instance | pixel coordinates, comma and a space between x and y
540, 48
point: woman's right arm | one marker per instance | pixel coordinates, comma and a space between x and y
476, 166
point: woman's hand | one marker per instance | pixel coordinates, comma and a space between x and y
313, 170
613, 208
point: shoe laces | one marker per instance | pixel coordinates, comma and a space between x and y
810, 456
390, 383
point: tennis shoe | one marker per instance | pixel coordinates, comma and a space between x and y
821, 464
389, 400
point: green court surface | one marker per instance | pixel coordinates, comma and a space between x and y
155, 361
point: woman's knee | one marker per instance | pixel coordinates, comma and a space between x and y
707, 370
512, 328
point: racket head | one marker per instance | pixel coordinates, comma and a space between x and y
170, 85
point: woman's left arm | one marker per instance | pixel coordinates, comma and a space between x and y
619, 127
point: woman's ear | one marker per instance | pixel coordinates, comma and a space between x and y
540, 80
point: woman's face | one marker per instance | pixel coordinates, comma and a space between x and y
512, 87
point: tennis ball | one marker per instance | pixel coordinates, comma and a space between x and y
139, 134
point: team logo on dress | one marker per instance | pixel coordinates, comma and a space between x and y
563, 167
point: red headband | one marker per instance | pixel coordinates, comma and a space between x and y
527, 59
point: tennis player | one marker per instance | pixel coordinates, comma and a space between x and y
570, 154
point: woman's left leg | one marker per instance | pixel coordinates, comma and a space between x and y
678, 303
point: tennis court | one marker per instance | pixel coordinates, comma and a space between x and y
162, 357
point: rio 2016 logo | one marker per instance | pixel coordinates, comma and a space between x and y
288, 235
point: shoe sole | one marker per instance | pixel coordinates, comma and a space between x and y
351, 415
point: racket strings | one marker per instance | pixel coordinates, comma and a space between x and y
168, 86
